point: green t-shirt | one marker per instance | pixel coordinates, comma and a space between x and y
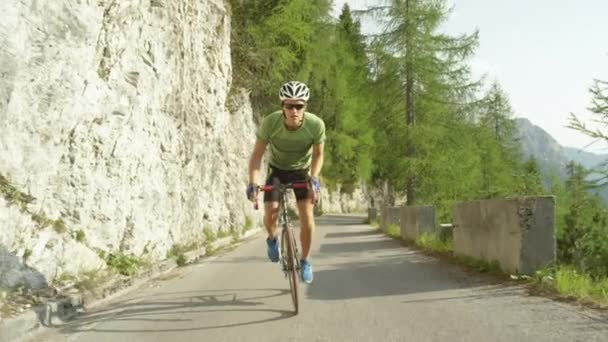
291, 150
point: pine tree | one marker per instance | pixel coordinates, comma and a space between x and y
271, 43
531, 182
599, 109
431, 72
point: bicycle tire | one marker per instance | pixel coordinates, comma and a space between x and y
292, 269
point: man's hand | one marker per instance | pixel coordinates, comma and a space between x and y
316, 186
252, 191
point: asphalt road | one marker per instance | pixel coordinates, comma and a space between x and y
367, 287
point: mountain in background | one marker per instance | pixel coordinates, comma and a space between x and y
550, 155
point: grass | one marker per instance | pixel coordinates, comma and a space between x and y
178, 252
13, 195
79, 235
569, 282
209, 249
433, 243
248, 223
124, 264
27, 253
394, 231
210, 235
563, 280
222, 233
42, 220
236, 234
89, 280
59, 226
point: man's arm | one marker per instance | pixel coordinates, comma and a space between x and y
255, 162
317, 159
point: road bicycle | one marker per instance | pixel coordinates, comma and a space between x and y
289, 254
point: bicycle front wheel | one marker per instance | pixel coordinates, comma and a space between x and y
291, 264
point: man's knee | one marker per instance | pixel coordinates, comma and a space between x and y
306, 214
271, 213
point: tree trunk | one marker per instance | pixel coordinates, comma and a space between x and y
410, 150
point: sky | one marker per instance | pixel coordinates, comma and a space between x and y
544, 53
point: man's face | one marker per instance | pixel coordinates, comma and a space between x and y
294, 112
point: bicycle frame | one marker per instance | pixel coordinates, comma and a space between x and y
289, 254
283, 217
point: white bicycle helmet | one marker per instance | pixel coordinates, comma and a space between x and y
294, 90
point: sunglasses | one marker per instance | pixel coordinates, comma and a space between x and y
297, 106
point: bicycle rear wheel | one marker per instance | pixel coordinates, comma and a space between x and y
291, 263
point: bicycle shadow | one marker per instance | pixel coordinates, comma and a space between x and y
179, 308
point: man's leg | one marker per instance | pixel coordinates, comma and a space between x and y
271, 213
307, 228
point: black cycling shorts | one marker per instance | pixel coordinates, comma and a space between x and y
284, 176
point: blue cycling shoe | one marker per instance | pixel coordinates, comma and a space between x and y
273, 249
306, 271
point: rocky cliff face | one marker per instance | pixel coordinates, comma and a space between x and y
119, 133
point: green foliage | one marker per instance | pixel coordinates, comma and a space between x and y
15, 197
236, 234
222, 233
599, 109
424, 87
393, 230
27, 253
271, 40
275, 41
178, 252
210, 238
209, 249
79, 235
401, 109
569, 281
59, 226
530, 179
12, 195
124, 264
210, 235
582, 225
248, 223
90, 279
433, 243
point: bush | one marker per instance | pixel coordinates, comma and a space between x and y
124, 264
591, 256
581, 238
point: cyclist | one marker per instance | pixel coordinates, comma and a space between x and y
296, 140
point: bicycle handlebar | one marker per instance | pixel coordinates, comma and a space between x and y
285, 186
298, 185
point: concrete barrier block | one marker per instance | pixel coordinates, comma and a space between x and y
372, 214
518, 233
537, 220
383, 217
388, 216
416, 220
